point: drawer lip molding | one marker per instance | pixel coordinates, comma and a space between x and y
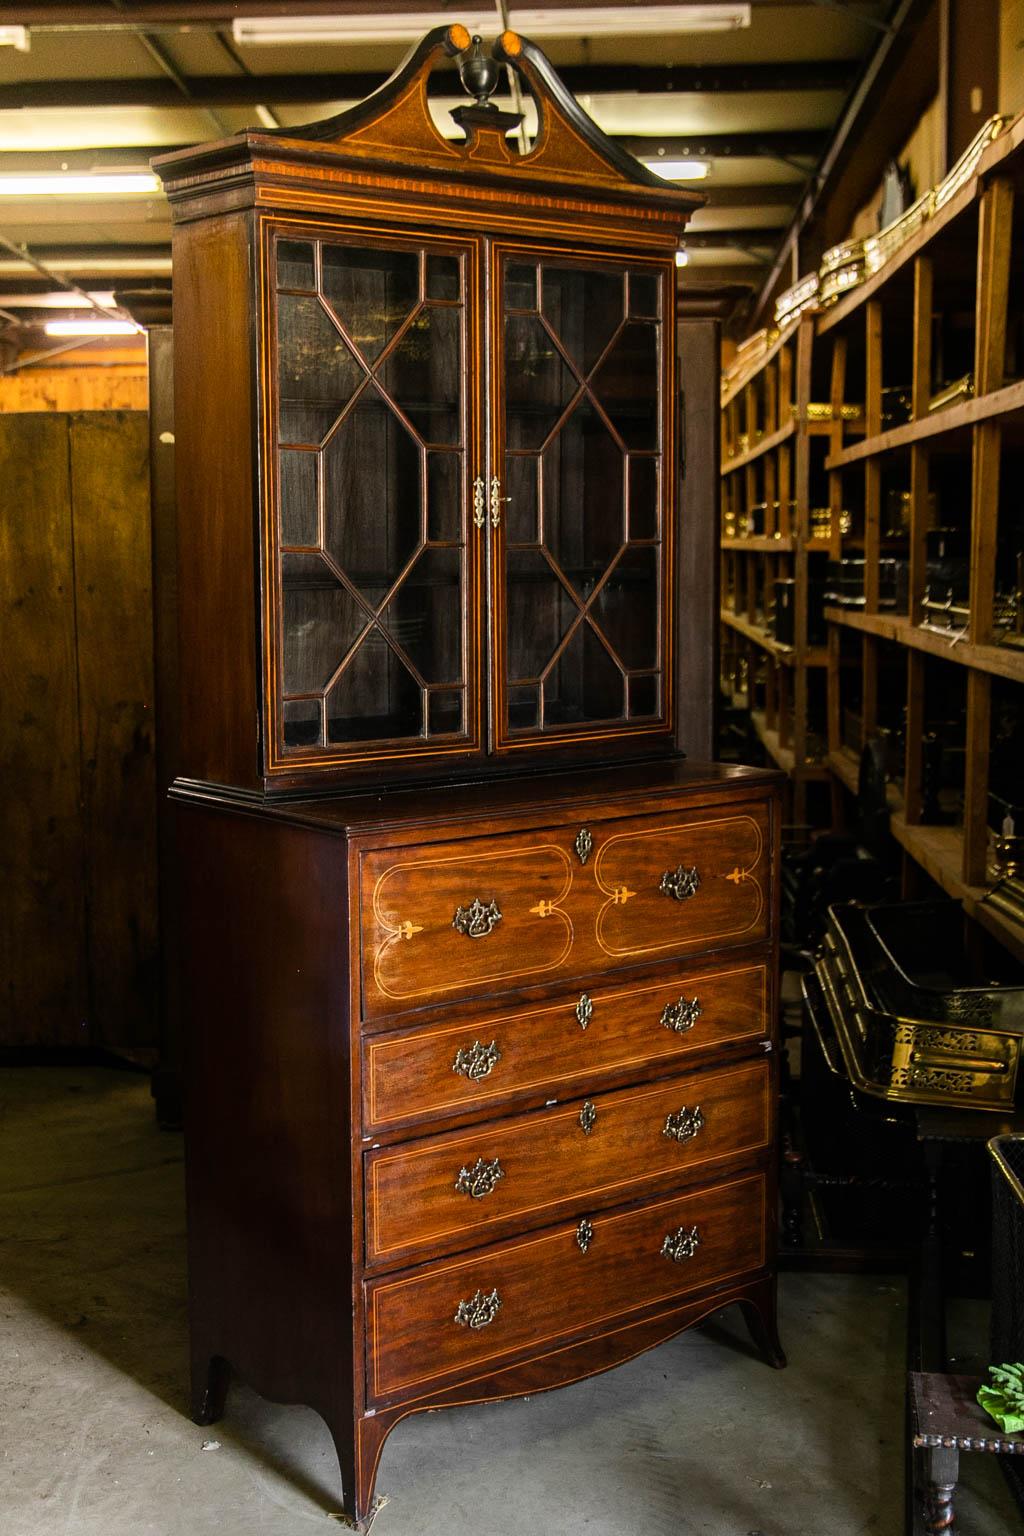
559, 918
553, 1026
744, 1199
413, 1214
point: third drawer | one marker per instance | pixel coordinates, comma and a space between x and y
451, 1191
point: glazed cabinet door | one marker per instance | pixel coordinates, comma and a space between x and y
370, 429
581, 497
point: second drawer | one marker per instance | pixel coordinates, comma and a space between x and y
449, 1191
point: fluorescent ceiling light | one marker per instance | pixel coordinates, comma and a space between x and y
56, 300
681, 258
87, 184
91, 328
15, 37
590, 21
679, 170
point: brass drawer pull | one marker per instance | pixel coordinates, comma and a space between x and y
584, 1010
583, 844
679, 1245
684, 1124
588, 1118
477, 920
479, 493
680, 883
476, 1061
584, 1234
681, 1015
479, 1311
479, 1180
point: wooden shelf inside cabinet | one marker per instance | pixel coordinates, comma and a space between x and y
786, 654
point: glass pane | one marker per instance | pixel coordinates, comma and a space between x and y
422, 375
583, 306
295, 264
322, 621
444, 497
538, 382
375, 698
643, 499
444, 277
583, 498
524, 707
540, 611
626, 608
627, 385
423, 616
521, 509
317, 373
644, 295
302, 723
644, 696
298, 498
371, 292
520, 287
585, 684
372, 496
444, 713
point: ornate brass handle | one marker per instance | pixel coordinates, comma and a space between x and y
479, 496
679, 1245
583, 844
684, 1124
496, 500
588, 1118
477, 920
584, 1010
680, 883
476, 1061
584, 1234
479, 1180
681, 1015
479, 1311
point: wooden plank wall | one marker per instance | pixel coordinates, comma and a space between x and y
77, 777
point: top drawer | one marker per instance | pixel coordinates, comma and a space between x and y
462, 919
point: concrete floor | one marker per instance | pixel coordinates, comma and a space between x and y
695, 1437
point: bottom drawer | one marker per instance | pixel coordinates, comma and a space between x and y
453, 1318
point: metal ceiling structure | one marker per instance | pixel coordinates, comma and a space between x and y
105, 84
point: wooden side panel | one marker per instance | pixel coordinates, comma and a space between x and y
114, 600
213, 384
42, 913
697, 625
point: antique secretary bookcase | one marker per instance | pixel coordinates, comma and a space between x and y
477, 971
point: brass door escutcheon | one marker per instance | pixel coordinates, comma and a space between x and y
583, 844
477, 920
479, 1311
476, 1061
684, 1124
479, 1180
584, 1010
585, 1234
681, 1244
588, 1118
479, 497
680, 883
681, 1015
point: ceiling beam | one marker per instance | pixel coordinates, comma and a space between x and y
221, 12
779, 144
292, 89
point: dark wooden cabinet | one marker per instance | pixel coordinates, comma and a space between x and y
479, 1013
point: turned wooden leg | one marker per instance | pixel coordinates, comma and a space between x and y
210, 1377
943, 1472
759, 1312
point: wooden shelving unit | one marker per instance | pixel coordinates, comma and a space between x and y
951, 299
767, 433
